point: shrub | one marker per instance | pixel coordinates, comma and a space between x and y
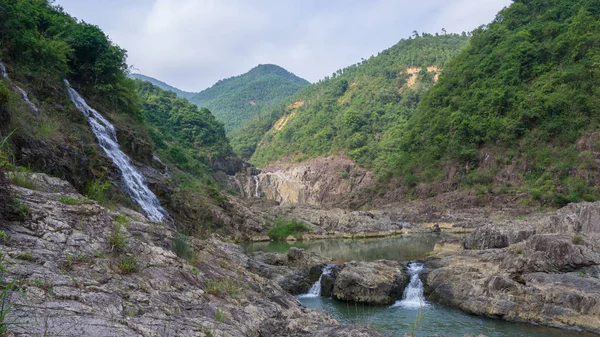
577, 240
122, 220
282, 228
5, 304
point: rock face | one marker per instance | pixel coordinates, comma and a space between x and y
543, 270
84, 270
379, 283
319, 182
295, 271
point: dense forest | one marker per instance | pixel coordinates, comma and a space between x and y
358, 110
163, 85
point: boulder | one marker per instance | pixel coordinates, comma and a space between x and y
379, 283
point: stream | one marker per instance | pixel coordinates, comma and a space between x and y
412, 313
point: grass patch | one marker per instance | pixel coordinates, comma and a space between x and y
219, 317
577, 240
71, 200
118, 239
181, 246
122, 220
25, 256
222, 287
282, 228
5, 304
99, 190
127, 264
76, 257
23, 180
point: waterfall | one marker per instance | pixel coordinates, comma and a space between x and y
3, 70
315, 290
256, 182
23, 92
107, 139
413, 297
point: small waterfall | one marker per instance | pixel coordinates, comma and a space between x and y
315, 290
107, 139
3, 70
413, 297
23, 92
256, 182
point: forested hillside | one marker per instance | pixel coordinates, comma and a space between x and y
524, 95
236, 100
180, 148
359, 110
162, 85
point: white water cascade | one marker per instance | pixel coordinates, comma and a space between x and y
107, 139
23, 92
256, 182
413, 297
315, 290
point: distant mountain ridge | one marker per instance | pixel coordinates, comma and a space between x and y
238, 99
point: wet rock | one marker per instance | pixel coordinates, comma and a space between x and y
379, 283
295, 271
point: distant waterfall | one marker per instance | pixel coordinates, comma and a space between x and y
23, 92
107, 139
256, 182
315, 290
413, 297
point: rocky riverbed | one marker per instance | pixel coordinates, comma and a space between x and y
76, 268
544, 269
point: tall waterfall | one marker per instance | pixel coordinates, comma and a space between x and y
23, 92
315, 290
107, 139
256, 182
413, 297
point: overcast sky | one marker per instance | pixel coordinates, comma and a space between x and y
191, 44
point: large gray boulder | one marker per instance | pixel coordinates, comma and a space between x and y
379, 283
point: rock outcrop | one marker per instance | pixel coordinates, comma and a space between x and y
84, 270
295, 271
318, 182
379, 283
543, 270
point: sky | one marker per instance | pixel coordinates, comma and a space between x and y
191, 44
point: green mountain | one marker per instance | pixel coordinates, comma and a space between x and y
236, 100
358, 111
519, 107
513, 113
162, 85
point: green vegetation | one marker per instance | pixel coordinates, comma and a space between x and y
71, 200
127, 264
122, 220
118, 239
223, 287
182, 248
282, 228
8, 288
25, 256
236, 100
72, 258
359, 110
526, 90
22, 180
219, 317
577, 240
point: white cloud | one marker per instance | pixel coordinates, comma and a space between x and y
193, 43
